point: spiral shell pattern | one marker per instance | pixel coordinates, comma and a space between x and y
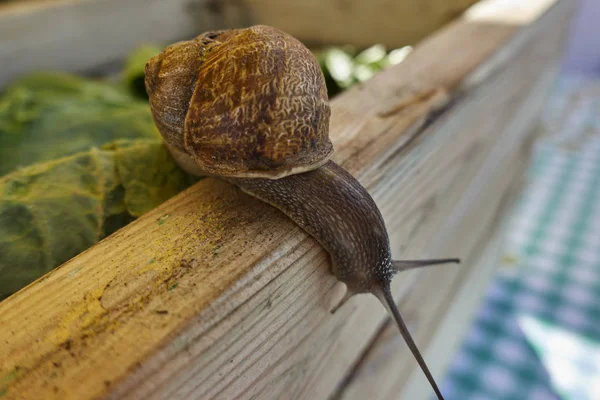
244, 103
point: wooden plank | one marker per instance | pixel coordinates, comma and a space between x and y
377, 365
215, 295
357, 22
84, 35
386, 370
457, 319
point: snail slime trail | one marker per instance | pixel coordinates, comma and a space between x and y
250, 106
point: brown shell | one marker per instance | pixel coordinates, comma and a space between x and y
246, 103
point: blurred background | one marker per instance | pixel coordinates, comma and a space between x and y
581, 57
537, 332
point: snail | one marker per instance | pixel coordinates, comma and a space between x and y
250, 106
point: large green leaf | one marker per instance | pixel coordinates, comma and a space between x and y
79, 159
46, 116
50, 212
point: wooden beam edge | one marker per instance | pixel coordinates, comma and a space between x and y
408, 381
398, 376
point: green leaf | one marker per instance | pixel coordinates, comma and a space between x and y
148, 174
46, 116
343, 67
80, 159
372, 55
50, 212
339, 64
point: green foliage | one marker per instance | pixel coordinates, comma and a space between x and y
50, 212
79, 159
344, 67
50, 115
148, 174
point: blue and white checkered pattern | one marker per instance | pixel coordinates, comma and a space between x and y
537, 335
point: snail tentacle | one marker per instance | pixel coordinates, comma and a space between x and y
404, 265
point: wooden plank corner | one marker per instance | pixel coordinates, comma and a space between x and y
216, 295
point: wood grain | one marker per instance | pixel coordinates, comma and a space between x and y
215, 295
386, 370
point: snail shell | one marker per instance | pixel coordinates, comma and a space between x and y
242, 103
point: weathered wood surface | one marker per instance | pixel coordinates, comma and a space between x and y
215, 295
386, 369
382, 363
79, 35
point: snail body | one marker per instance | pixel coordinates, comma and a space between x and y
250, 106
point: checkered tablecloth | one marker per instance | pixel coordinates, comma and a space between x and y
537, 333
